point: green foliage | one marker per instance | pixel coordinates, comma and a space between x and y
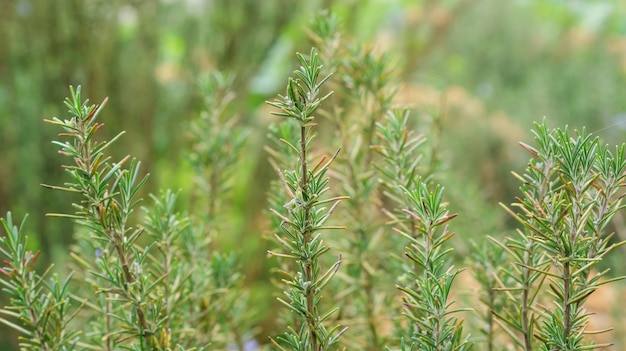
363, 93
485, 260
41, 308
570, 192
217, 142
427, 299
161, 279
108, 194
306, 216
135, 296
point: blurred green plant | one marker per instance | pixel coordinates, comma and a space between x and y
224, 315
217, 141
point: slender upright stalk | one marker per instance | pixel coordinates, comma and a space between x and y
308, 265
108, 193
527, 318
304, 217
427, 301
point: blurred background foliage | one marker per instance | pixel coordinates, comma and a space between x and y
481, 70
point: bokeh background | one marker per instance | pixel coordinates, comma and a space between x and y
495, 67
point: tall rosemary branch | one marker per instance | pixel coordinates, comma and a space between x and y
306, 216
570, 192
109, 194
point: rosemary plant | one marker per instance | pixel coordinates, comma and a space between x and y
522, 286
41, 308
164, 225
305, 217
486, 261
570, 192
364, 93
221, 315
108, 199
427, 302
163, 284
402, 151
420, 217
217, 142
384, 156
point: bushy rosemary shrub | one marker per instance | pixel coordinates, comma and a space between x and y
360, 230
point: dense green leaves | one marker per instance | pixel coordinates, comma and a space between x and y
162, 284
305, 217
569, 195
41, 308
427, 304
